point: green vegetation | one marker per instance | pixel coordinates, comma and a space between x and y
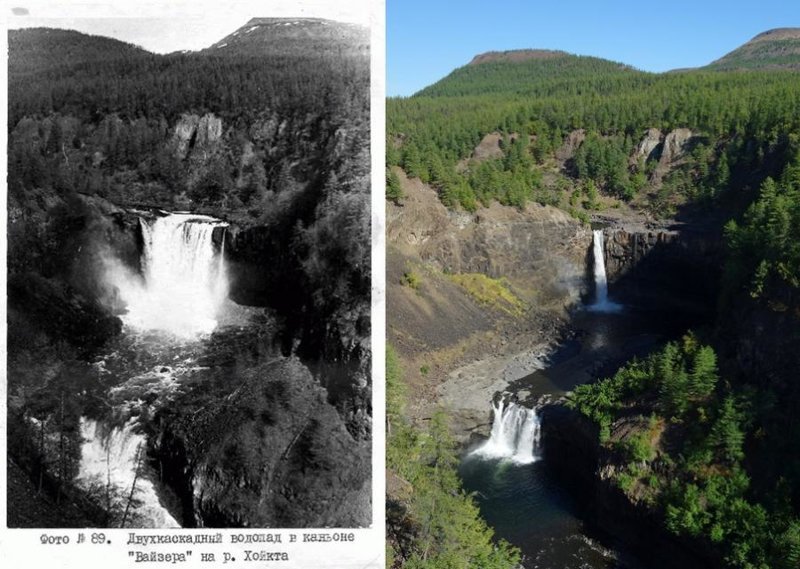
765, 246
694, 471
772, 49
492, 293
411, 279
437, 525
393, 190
740, 118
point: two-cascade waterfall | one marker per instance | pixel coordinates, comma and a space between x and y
516, 434
601, 301
181, 291
184, 277
113, 461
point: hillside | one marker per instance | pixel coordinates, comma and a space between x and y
254, 138
46, 50
773, 49
539, 102
295, 37
525, 72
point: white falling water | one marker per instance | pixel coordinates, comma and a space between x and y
184, 278
600, 280
516, 433
115, 459
601, 301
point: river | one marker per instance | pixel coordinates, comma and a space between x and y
176, 310
521, 499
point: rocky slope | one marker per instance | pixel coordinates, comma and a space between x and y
267, 451
447, 278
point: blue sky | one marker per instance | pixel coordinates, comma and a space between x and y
426, 39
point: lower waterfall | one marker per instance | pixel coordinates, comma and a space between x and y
113, 463
516, 434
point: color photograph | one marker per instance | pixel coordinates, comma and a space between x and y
593, 313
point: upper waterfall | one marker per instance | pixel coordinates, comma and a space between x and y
516, 432
600, 279
185, 281
601, 301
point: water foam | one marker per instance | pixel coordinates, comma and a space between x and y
516, 434
601, 301
185, 282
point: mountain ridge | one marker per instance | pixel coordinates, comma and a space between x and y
34, 49
293, 36
778, 48
516, 55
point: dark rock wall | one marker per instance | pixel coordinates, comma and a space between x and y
271, 453
574, 455
661, 268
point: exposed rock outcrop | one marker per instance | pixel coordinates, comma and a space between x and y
489, 147
539, 254
762, 333
647, 148
571, 144
574, 455
193, 131
272, 452
517, 55
540, 244
674, 146
659, 267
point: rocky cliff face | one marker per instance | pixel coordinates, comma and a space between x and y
538, 255
271, 453
542, 245
56, 270
763, 336
574, 455
193, 131
571, 144
646, 149
664, 266
674, 146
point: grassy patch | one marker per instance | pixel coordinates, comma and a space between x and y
411, 279
493, 293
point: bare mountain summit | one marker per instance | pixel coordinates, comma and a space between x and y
517, 55
773, 49
294, 36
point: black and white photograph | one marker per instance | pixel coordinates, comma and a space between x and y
189, 266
